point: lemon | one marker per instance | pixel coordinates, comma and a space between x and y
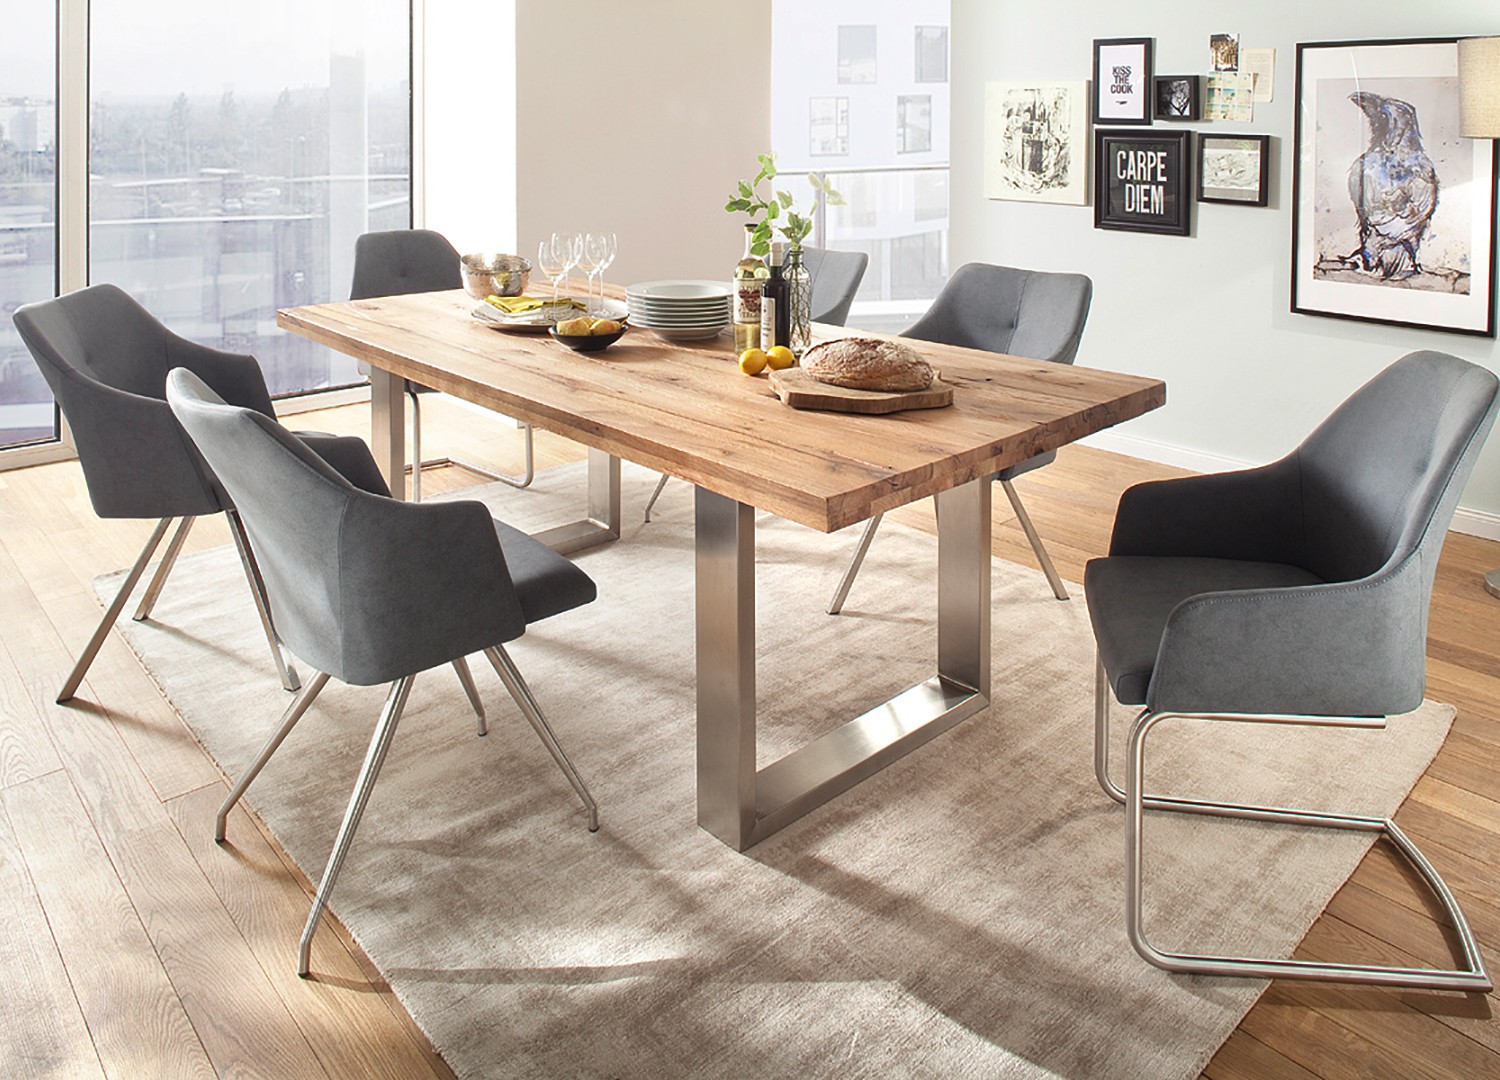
779, 356
753, 361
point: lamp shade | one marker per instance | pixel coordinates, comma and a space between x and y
1479, 87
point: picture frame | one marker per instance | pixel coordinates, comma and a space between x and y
1234, 169
1122, 81
1177, 97
1036, 142
1143, 180
1372, 110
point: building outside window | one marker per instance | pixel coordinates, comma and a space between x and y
231, 166
28, 210
932, 54
856, 54
842, 70
914, 124
828, 127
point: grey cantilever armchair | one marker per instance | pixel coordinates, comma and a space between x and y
106, 359
1293, 593
1004, 310
835, 279
405, 261
370, 590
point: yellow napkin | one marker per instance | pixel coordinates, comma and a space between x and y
520, 305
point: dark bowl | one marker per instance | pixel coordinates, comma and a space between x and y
588, 342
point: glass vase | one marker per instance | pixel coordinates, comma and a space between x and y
799, 297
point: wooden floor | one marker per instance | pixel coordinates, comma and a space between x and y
132, 946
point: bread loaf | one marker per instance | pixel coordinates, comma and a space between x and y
867, 364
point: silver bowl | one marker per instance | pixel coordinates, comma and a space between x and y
487, 274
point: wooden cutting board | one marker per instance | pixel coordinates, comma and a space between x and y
801, 391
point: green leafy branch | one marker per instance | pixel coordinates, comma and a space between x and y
774, 210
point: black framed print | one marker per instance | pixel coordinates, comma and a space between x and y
1393, 211
1143, 180
1234, 168
1177, 97
1122, 81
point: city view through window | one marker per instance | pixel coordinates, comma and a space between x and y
230, 170
859, 94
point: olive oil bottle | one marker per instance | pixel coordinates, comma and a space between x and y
748, 276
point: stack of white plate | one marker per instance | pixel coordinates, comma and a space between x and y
680, 310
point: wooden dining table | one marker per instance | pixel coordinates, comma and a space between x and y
684, 408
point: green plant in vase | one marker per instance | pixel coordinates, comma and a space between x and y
796, 226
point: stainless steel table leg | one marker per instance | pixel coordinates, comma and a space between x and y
742, 805
725, 622
388, 428
602, 526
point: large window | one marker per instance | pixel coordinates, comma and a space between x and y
28, 208
236, 152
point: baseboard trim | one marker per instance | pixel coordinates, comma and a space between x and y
1479, 523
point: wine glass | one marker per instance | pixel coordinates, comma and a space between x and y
566, 248
550, 261
601, 251
588, 262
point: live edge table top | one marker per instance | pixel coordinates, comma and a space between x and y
686, 409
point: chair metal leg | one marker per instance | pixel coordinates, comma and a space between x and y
380, 743
656, 495
163, 568
91, 650
1472, 977
284, 668
415, 468
1058, 589
842, 592
466, 678
510, 675
294, 711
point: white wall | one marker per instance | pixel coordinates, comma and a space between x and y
1209, 313
638, 118
467, 129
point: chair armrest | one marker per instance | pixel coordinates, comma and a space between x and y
1252, 514
137, 460
350, 457
1339, 649
235, 377
420, 584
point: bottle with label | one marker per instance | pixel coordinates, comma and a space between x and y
748, 276
775, 308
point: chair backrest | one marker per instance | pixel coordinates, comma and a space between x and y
1027, 313
106, 359
361, 586
1380, 479
404, 261
835, 279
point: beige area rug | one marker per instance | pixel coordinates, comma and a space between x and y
958, 915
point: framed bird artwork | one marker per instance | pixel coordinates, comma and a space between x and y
1393, 211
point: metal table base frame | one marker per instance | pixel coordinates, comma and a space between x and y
388, 441
1472, 977
743, 805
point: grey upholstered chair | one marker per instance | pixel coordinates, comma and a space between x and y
370, 590
1000, 309
411, 261
1293, 593
835, 279
106, 359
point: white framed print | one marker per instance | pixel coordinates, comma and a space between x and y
1122, 81
1036, 142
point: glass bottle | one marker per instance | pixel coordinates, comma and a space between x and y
748, 275
799, 297
775, 309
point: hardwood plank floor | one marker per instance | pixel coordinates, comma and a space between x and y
133, 945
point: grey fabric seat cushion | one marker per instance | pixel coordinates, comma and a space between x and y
546, 584
1131, 597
